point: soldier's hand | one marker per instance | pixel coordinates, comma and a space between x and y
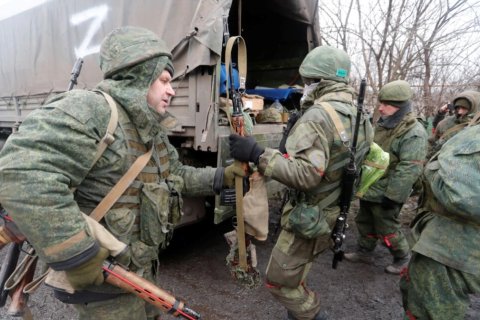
244, 149
88, 273
443, 109
235, 169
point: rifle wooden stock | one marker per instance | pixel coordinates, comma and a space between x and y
8, 266
130, 282
18, 306
9, 232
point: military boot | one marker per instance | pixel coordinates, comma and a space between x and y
398, 265
321, 315
361, 255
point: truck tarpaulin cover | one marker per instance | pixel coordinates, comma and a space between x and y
41, 39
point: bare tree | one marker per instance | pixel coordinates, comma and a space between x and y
433, 44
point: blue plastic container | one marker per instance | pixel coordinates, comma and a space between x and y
223, 79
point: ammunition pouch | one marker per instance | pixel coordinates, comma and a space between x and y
308, 221
120, 222
160, 206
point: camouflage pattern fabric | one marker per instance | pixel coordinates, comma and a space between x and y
113, 309
444, 131
431, 290
376, 223
287, 270
326, 63
446, 233
407, 146
313, 170
54, 149
269, 115
395, 93
447, 228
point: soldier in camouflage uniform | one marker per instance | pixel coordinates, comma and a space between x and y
312, 169
465, 104
48, 176
400, 134
444, 268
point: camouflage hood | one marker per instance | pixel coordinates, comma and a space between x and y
132, 59
473, 97
336, 91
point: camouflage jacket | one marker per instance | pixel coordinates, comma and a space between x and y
407, 146
451, 125
316, 155
53, 151
447, 228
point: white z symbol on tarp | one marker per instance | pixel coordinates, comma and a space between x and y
97, 15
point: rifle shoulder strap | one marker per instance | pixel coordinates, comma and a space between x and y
340, 128
336, 121
241, 61
475, 120
454, 129
108, 138
118, 189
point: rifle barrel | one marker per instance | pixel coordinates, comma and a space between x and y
77, 67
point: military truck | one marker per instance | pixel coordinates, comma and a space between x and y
41, 40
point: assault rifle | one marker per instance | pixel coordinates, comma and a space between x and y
77, 67
114, 274
349, 177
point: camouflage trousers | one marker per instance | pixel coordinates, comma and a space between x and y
287, 270
431, 290
376, 223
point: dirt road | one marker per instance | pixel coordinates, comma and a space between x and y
193, 269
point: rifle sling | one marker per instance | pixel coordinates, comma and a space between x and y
112, 126
342, 133
121, 186
115, 193
241, 61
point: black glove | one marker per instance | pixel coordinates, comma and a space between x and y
245, 149
388, 203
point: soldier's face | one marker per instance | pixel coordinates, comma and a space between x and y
160, 92
387, 110
460, 111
